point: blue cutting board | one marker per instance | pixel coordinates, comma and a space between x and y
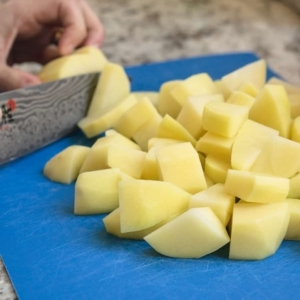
51, 254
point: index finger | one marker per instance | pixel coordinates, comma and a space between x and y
74, 27
95, 30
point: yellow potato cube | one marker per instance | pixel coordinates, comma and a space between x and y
216, 168
147, 132
195, 85
167, 105
180, 165
97, 157
150, 168
290, 88
135, 117
254, 73
257, 230
129, 161
222, 88
97, 192
64, 167
249, 143
295, 130
242, 99
223, 118
193, 234
280, 157
161, 142
295, 105
294, 191
293, 230
256, 187
190, 116
152, 96
113, 226
86, 60
249, 89
96, 124
272, 108
215, 145
209, 182
113, 86
144, 203
110, 132
215, 197
171, 129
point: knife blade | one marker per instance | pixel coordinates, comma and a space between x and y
36, 116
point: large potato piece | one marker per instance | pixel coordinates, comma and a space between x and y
135, 117
98, 123
216, 168
64, 167
193, 234
113, 86
167, 105
97, 192
294, 191
224, 119
190, 116
180, 165
147, 132
113, 226
171, 129
144, 203
272, 108
195, 85
249, 143
293, 230
254, 73
215, 197
240, 98
129, 161
257, 230
87, 60
279, 157
216, 145
256, 187
97, 157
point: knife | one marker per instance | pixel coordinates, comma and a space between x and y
33, 117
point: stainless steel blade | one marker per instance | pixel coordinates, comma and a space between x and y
33, 117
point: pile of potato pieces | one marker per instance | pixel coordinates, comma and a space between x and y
189, 169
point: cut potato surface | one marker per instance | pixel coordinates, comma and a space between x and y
224, 119
254, 73
187, 173
195, 85
144, 203
293, 230
257, 230
95, 124
65, 166
193, 234
113, 86
85, 60
272, 108
256, 187
97, 192
215, 197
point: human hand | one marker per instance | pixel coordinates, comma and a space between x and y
27, 28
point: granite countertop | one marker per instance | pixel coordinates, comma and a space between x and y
142, 31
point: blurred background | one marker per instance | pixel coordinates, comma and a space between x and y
143, 31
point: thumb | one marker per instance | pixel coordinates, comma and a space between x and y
11, 78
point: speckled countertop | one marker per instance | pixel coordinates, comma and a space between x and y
141, 31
